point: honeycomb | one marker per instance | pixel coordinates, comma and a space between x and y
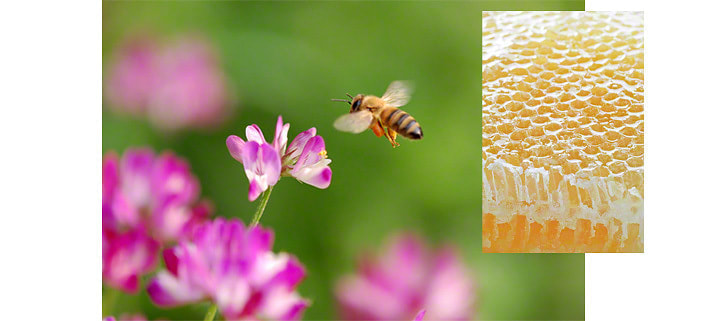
563, 96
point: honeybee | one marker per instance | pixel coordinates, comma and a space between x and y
381, 114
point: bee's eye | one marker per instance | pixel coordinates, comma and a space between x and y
356, 104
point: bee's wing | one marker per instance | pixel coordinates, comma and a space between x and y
354, 122
398, 93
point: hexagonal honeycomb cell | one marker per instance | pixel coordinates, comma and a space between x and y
563, 97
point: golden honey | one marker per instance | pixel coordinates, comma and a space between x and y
563, 132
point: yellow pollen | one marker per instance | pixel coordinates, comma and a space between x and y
323, 153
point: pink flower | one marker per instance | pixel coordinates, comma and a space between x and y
126, 256
134, 75
261, 160
232, 266
147, 201
177, 85
311, 162
192, 91
305, 159
158, 193
404, 280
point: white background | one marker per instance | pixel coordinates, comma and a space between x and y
50, 160
670, 280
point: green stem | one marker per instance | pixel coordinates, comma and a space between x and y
262, 206
211, 312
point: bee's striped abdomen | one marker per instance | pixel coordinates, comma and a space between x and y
403, 123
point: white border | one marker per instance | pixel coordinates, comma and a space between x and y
51, 125
670, 280
51, 159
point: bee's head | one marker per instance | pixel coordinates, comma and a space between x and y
357, 100
354, 102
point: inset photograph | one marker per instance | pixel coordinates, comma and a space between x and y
563, 132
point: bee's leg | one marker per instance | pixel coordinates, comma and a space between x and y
377, 129
392, 136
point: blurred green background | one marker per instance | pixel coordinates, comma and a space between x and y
289, 59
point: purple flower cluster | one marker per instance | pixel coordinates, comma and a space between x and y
233, 266
147, 201
264, 163
152, 202
175, 84
404, 280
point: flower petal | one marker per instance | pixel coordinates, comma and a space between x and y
165, 290
136, 167
405, 261
109, 177
362, 299
192, 90
250, 155
255, 190
134, 75
171, 261
296, 310
451, 289
296, 148
127, 256
169, 220
271, 270
171, 180
254, 134
420, 315
311, 152
318, 175
123, 212
200, 213
270, 164
235, 145
232, 296
281, 136
258, 241
290, 275
281, 303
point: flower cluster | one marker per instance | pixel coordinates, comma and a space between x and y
177, 84
127, 256
264, 163
233, 266
404, 280
147, 201
151, 202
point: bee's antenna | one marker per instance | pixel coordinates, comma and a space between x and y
351, 97
343, 100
